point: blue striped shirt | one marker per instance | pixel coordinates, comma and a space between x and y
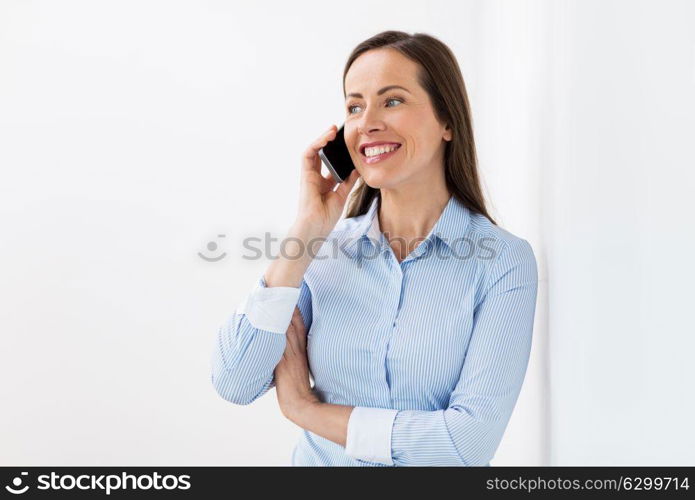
432, 351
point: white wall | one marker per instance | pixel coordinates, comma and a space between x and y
620, 235
133, 133
507, 93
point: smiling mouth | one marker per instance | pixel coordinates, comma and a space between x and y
363, 149
380, 157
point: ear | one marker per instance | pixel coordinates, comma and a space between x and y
447, 133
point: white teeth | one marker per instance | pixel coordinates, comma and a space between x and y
379, 150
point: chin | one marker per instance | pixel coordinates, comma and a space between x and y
381, 180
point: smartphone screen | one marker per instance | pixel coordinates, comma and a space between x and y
336, 157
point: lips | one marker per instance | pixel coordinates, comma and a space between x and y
380, 143
376, 159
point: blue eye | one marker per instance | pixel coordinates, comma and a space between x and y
349, 108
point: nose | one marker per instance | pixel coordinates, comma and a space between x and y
370, 122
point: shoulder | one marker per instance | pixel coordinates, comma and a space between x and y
504, 253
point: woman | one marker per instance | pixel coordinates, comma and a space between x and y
415, 312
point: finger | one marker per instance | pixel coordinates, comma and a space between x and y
323, 139
299, 321
311, 153
296, 342
300, 334
299, 329
302, 346
347, 185
329, 182
292, 347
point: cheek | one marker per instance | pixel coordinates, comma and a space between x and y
350, 137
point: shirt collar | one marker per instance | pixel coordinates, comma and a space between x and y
452, 224
365, 228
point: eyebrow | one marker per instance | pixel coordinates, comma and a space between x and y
380, 91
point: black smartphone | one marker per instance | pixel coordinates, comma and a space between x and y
336, 156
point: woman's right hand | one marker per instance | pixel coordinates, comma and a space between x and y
319, 205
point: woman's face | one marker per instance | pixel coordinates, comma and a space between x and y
396, 115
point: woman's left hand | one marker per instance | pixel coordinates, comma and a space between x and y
292, 384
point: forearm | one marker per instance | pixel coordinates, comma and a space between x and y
298, 249
324, 419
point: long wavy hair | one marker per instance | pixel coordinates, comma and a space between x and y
440, 76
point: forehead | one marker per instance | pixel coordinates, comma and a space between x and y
379, 67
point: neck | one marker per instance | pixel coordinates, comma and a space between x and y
410, 212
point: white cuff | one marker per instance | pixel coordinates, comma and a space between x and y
271, 308
369, 434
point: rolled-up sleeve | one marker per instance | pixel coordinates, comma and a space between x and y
270, 309
369, 434
469, 430
251, 342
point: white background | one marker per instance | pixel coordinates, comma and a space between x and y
132, 133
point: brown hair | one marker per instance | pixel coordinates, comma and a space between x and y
439, 74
